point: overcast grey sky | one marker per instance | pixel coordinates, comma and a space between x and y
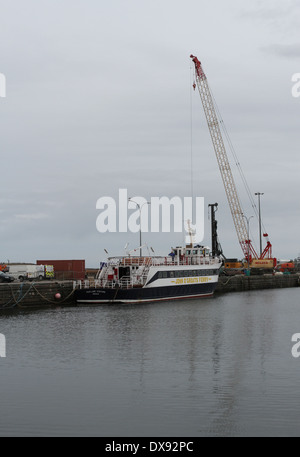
98, 98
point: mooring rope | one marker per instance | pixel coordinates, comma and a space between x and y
6, 305
229, 279
17, 301
51, 301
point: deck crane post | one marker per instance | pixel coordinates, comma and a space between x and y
224, 166
216, 248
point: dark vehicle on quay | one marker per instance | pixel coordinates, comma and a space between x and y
4, 277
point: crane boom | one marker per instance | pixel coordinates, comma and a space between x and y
224, 166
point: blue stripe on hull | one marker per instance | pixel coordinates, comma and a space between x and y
102, 295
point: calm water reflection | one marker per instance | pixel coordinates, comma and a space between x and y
219, 367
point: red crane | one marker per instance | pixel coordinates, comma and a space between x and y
226, 173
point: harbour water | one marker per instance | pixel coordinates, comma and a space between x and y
213, 367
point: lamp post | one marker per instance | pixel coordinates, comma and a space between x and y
248, 241
259, 216
140, 209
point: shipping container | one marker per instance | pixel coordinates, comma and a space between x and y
66, 269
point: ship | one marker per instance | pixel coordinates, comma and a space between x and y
186, 272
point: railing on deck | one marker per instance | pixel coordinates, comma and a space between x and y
156, 261
125, 283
